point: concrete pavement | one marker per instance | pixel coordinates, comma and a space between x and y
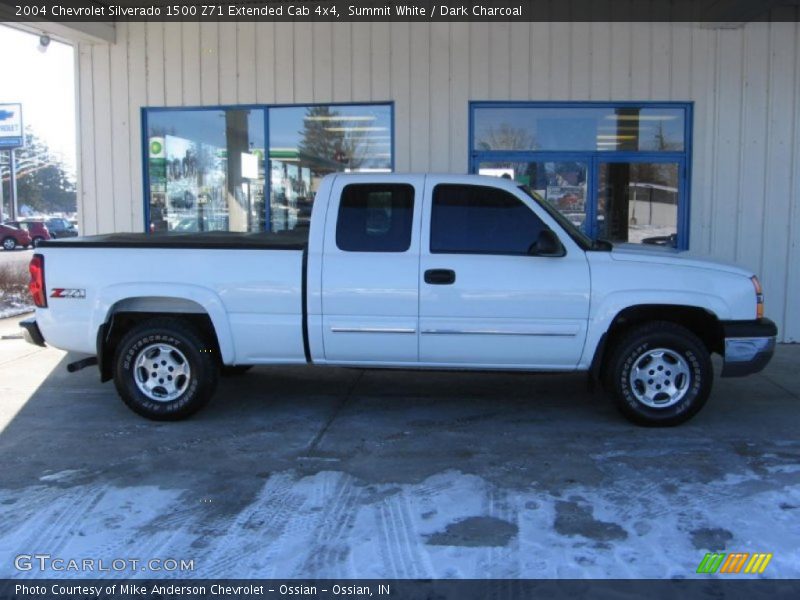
300, 472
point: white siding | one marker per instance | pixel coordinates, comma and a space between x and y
744, 82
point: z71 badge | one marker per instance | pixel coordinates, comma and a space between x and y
67, 293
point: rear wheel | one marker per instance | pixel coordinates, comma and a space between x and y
660, 374
9, 243
163, 370
37, 240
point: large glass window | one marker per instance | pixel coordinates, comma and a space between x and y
616, 171
215, 169
468, 219
308, 142
206, 170
602, 128
562, 183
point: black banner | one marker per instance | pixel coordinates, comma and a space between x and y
724, 12
254, 589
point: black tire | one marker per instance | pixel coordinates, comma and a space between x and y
644, 346
234, 370
36, 241
9, 243
186, 345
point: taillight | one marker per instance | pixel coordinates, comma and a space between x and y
759, 297
36, 286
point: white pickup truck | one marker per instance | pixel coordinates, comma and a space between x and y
400, 271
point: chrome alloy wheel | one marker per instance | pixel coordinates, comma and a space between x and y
660, 378
162, 372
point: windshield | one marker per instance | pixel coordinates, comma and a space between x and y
580, 238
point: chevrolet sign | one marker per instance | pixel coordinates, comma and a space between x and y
11, 131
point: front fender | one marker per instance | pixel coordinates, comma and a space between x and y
205, 298
612, 304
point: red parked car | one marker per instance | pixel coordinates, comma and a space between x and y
12, 237
36, 229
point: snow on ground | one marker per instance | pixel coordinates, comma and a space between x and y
14, 297
450, 525
12, 305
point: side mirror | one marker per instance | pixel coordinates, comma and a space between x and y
547, 245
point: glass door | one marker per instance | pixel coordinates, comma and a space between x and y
562, 182
637, 201
623, 199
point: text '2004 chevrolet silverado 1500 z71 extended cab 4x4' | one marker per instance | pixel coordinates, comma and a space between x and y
401, 271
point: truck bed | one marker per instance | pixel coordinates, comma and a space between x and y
217, 240
251, 286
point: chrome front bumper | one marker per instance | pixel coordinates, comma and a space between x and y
749, 346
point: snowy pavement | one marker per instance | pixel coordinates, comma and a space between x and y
337, 473
19, 301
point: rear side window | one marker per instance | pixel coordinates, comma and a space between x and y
472, 219
375, 218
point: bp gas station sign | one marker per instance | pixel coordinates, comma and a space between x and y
11, 131
158, 164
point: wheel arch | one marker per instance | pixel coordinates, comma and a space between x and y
704, 323
119, 312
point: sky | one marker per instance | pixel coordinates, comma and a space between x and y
44, 82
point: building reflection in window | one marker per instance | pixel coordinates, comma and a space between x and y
309, 142
206, 170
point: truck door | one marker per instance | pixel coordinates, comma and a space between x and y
485, 299
370, 270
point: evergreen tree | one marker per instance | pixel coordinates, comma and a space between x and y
317, 140
325, 138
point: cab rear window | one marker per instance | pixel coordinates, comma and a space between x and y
375, 218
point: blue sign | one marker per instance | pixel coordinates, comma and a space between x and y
11, 131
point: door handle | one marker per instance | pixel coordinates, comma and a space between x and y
440, 276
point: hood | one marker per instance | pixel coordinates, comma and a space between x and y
670, 256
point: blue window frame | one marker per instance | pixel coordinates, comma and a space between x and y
619, 170
254, 167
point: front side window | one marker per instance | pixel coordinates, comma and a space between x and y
469, 219
375, 218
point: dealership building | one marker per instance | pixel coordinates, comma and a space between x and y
657, 133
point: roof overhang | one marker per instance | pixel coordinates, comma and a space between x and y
95, 32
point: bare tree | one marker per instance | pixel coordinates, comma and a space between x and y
506, 137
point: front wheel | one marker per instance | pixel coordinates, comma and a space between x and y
660, 374
9, 243
164, 370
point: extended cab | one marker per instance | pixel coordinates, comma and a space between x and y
401, 271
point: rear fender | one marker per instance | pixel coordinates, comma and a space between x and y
167, 298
